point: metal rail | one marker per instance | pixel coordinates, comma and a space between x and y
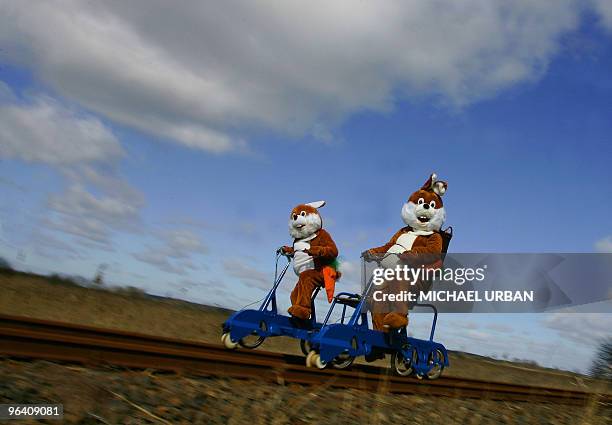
40, 339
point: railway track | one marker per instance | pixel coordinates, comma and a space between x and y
39, 339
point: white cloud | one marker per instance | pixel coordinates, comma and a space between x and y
12, 185
500, 327
174, 252
350, 280
97, 200
604, 8
182, 243
160, 260
94, 205
45, 131
604, 245
82, 227
6, 94
204, 73
79, 202
580, 328
248, 274
51, 247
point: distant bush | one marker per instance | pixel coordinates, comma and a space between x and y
130, 291
57, 279
5, 265
75, 281
526, 362
602, 364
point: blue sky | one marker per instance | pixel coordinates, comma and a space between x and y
171, 145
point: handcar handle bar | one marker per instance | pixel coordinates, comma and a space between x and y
280, 252
277, 280
435, 319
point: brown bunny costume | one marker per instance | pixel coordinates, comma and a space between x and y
313, 250
424, 215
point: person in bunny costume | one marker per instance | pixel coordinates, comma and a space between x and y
423, 215
314, 255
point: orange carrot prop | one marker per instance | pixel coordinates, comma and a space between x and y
330, 275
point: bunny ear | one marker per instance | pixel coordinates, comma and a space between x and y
429, 184
440, 187
316, 204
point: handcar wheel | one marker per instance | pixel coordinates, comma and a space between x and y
402, 366
251, 341
343, 361
309, 358
436, 363
227, 341
316, 361
305, 346
254, 340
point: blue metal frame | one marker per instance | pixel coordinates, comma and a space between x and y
266, 321
355, 338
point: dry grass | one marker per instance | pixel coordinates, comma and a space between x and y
119, 396
40, 297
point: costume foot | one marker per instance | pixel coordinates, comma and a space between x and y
395, 321
299, 312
